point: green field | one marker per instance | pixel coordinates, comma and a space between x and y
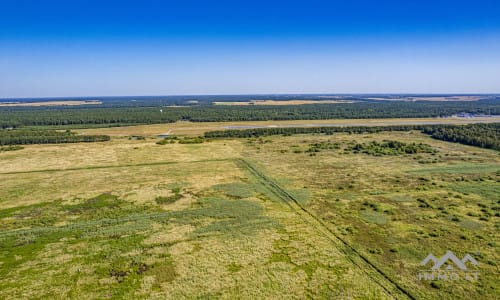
295, 217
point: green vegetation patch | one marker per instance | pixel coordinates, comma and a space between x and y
461, 168
469, 224
184, 140
374, 217
301, 195
401, 198
168, 199
172, 198
231, 217
390, 148
41, 214
168, 140
192, 140
100, 202
234, 267
237, 190
11, 148
489, 190
317, 147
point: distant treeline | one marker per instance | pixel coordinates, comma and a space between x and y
116, 116
24, 137
481, 135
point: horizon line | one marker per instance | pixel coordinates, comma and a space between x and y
264, 94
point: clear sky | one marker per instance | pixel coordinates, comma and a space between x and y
98, 48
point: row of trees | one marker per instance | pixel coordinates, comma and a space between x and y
25, 137
257, 132
115, 116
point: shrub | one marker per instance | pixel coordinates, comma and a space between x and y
168, 199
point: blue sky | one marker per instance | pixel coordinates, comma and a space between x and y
98, 48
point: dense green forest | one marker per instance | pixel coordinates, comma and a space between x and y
24, 137
116, 116
481, 135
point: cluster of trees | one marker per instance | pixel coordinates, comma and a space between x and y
26, 136
390, 148
481, 135
115, 116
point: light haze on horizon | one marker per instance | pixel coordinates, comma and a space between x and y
92, 48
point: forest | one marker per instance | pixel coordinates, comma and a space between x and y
481, 135
25, 137
120, 116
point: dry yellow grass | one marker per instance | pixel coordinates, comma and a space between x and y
117, 152
141, 184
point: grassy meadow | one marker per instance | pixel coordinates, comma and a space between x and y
296, 217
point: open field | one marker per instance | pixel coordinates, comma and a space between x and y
198, 128
304, 216
51, 103
281, 102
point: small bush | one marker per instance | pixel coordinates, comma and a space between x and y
168, 199
191, 140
